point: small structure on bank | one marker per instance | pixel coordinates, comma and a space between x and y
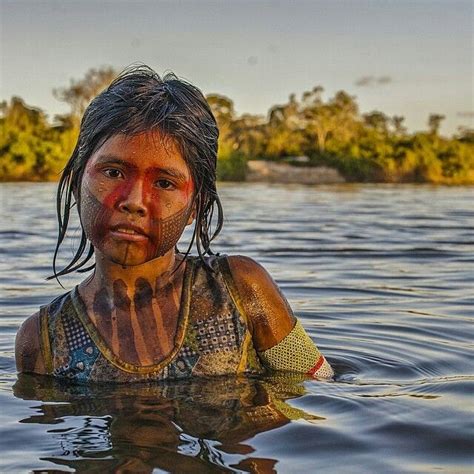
271, 172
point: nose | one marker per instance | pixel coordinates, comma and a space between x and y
134, 202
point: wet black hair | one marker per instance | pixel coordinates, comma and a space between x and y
139, 101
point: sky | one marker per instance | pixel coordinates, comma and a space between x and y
408, 58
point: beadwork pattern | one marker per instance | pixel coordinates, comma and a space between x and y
295, 353
212, 345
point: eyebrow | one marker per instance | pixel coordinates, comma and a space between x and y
114, 160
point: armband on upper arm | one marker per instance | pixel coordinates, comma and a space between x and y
297, 353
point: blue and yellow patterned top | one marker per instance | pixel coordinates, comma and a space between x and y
213, 336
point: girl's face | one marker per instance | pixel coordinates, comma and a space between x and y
136, 197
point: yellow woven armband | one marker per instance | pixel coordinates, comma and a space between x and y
295, 353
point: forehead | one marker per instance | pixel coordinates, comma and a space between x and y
143, 151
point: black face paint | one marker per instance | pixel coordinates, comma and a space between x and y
103, 312
168, 308
122, 302
143, 300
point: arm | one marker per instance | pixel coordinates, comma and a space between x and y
279, 338
28, 354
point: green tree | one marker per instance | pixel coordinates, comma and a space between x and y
434, 123
377, 121
80, 93
248, 135
284, 130
397, 123
335, 119
223, 109
465, 135
30, 149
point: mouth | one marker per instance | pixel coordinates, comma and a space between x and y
128, 232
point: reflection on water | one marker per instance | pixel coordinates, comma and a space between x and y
381, 276
195, 425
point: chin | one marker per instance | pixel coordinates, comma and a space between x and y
126, 256
129, 261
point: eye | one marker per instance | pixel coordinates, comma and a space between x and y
164, 184
113, 173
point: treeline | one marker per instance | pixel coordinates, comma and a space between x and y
371, 147
33, 149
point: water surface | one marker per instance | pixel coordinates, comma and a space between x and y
382, 278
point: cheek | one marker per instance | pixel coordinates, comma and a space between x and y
167, 232
163, 206
94, 217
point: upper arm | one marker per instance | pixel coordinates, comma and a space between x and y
28, 355
282, 343
270, 315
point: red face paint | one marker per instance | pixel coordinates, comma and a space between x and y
136, 199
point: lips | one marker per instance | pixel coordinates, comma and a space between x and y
128, 231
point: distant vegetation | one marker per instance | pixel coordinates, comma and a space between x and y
371, 147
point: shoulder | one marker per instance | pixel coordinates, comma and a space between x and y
28, 354
247, 269
268, 311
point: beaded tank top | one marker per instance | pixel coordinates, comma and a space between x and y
212, 338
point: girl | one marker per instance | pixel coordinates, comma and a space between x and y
143, 169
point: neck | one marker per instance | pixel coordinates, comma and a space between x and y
107, 272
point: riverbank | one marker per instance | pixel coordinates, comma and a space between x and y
265, 171
271, 172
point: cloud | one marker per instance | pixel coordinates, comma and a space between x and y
466, 114
365, 81
372, 81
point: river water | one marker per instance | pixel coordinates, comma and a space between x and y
382, 277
